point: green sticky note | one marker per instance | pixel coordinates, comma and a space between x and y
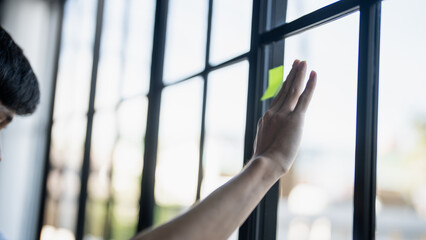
275, 81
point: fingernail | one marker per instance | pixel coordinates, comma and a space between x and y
295, 62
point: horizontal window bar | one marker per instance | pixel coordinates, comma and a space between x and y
314, 19
209, 69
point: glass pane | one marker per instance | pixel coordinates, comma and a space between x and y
49, 232
63, 181
298, 8
117, 131
63, 189
401, 182
124, 220
231, 28
67, 146
67, 214
186, 39
125, 57
96, 219
116, 169
225, 125
178, 149
63, 185
104, 137
111, 61
316, 199
60, 219
50, 213
127, 167
126, 180
131, 119
138, 36
75, 63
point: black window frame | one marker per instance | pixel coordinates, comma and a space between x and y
262, 223
268, 33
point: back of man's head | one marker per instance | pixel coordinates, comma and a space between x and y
19, 89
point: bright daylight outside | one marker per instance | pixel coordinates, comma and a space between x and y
316, 196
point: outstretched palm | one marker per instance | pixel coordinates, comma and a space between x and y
279, 130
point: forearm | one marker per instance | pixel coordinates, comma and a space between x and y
217, 216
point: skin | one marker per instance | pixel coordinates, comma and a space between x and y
276, 145
6, 116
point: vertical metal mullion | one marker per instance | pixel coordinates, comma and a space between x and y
203, 114
202, 138
267, 208
85, 171
249, 228
147, 201
269, 204
366, 130
261, 224
47, 166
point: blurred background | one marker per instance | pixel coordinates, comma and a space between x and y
95, 77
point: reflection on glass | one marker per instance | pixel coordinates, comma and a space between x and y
186, 39
317, 194
401, 181
178, 149
231, 28
225, 125
75, 64
298, 8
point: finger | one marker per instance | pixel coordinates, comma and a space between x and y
295, 89
275, 103
305, 98
290, 77
280, 96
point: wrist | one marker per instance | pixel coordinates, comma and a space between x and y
267, 168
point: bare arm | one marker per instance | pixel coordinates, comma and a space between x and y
275, 148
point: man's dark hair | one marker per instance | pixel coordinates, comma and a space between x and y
19, 89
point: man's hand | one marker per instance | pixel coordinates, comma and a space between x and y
277, 142
279, 130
